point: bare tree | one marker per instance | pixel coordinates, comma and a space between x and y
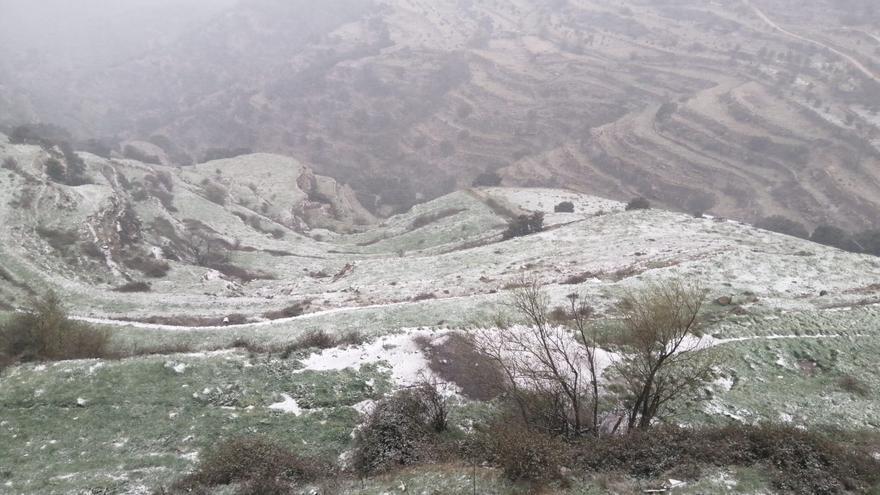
586, 332
546, 365
663, 358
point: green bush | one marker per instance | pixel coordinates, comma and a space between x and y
639, 203
524, 225
45, 333
564, 207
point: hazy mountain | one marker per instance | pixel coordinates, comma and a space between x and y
744, 109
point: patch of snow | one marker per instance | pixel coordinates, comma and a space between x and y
400, 352
365, 406
176, 367
781, 361
716, 409
724, 383
288, 405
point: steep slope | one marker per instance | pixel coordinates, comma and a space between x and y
136, 221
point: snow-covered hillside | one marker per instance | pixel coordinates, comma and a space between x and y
283, 253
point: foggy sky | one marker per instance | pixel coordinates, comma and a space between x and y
89, 34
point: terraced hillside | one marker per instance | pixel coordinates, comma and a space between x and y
743, 108
791, 319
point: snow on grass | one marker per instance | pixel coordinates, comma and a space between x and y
398, 352
288, 405
176, 367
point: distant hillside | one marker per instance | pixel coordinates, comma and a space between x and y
746, 110
250, 234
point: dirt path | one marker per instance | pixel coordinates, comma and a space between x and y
855, 63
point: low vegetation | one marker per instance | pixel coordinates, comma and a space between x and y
256, 465
797, 461
487, 179
216, 193
60, 239
639, 203
429, 218
401, 430
146, 264
134, 153
564, 207
43, 332
290, 311
782, 225
134, 287
524, 225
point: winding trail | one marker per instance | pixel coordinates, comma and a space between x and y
243, 326
849, 58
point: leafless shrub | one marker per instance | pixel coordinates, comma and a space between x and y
524, 454
553, 362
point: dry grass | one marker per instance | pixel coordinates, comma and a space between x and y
291, 311
455, 360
